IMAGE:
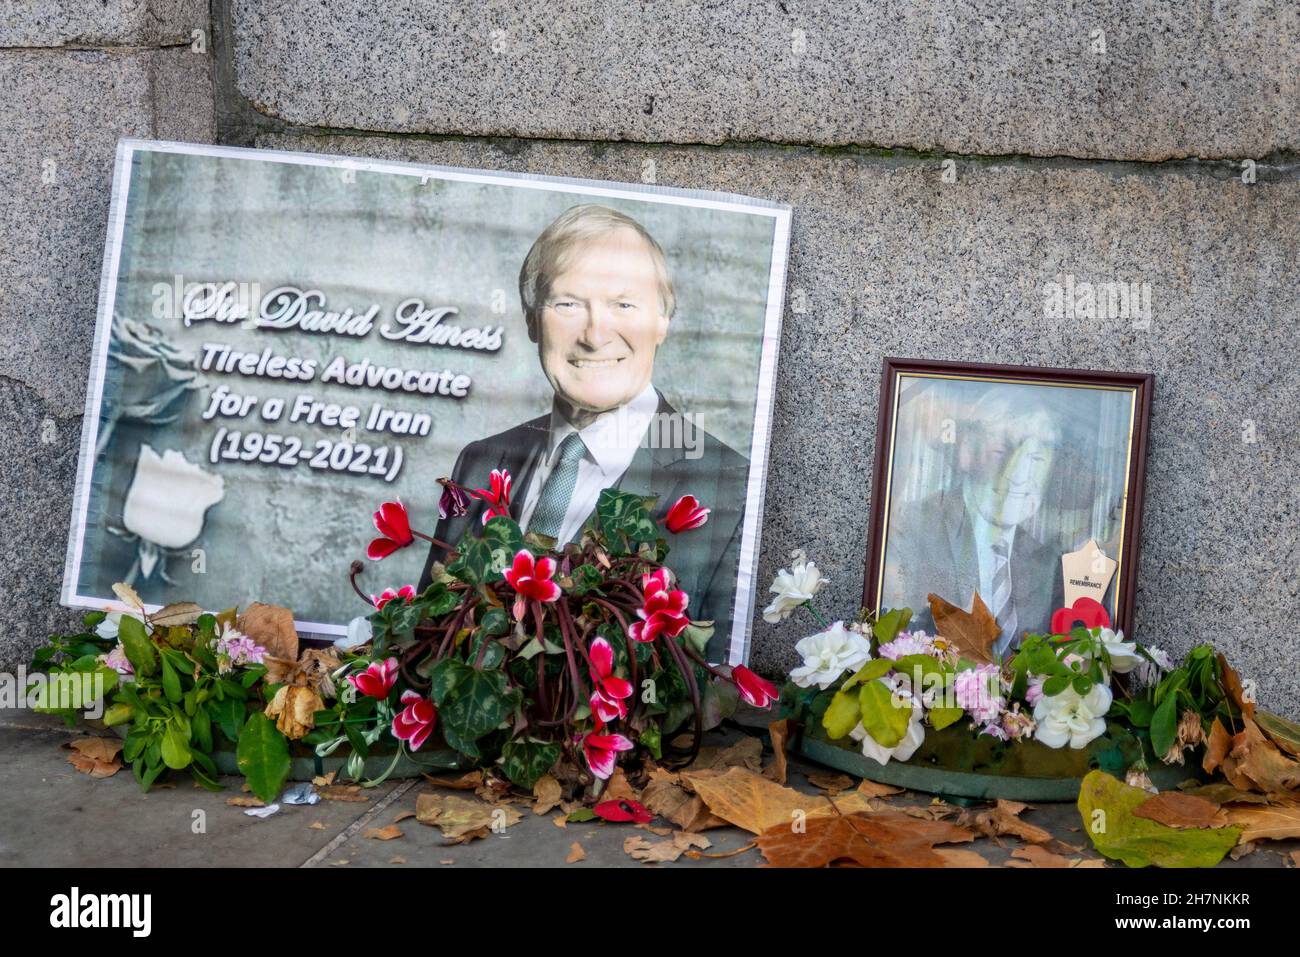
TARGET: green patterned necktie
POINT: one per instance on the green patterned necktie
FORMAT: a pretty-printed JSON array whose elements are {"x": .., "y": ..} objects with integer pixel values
[{"x": 548, "y": 517}]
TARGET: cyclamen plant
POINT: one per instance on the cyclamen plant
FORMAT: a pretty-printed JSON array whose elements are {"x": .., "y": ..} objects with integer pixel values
[{"x": 536, "y": 657}]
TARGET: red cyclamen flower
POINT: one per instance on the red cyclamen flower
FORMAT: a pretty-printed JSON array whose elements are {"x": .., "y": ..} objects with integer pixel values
[
  {"x": 685, "y": 515},
  {"x": 395, "y": 528},
  {"x": 601, "y": 752},
  {"x": 664, "y": 609},
  {"x": 406, "y": 593},
  {"x": 531, "y": 578},
  {"x": 415, "y": 722},
  {"x": 377, "y": 680},
  {"x": 497, "y": 497},
  {"x": 757, "y": 691},
  {"x": 607, "y": 701}
]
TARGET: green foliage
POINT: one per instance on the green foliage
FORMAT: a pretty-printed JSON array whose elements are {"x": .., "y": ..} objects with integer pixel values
[
  {"x": 524, "y": 761},
  {"x": 139, "y": 649},
  {"x": 1107, "y": 805},
  {"x": 482, "y": 558},
  {"x": 263, "y": 756},
  {"x": 471, "y": 702},
  {"x": 889, "y": 623},
  {"x": 624, "y": 520}
]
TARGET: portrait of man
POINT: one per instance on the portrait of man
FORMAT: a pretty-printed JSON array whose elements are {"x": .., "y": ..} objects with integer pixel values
[
  {"x": 990, "y": 484},
  {"x": 598, "y": 302}
]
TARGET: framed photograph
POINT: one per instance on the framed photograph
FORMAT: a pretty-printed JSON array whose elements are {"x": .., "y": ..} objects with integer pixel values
[
  {"x": 287, "y": 340},
  {"x": 987, "y": 475}
]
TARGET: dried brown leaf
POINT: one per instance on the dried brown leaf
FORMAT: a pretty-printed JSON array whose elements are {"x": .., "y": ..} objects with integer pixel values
[
  {"x": 972, "y": 632},
  {"x": 547, "y": 794},
  {"x": 756, "y": 804},
  {"x": 1178, "y": 809},
  {"x": 271, "y": 626},
  {"x": 1274, "y": 822},
  {"x": 462, "y": 819},
  {"x": 576, "y": 853},
  {"x": 881, "y": 839},
  {"x": 831, "y": 783},
  {"x": 660, "y": 852},
  {"x": 1004, "y": 818},
  {"x": 390, "y": 833},
  {"x": 779, "y": 731}
]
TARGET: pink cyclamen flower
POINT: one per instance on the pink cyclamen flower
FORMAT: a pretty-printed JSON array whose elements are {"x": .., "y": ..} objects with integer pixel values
[
  {"x": 757, "y": 691},
  {"x": 406, "y": 593},
  {"x": 601, "y": 752},
  {"x": 664, "y": 610},
  {"x": 531, "y": 578},
  {"x": 415, "y": 722},
  {"x": 607, "y": 701},
  {"x": 377, "y": 680},
  {"x": 497, "y": 496},
  {"x": 686, "y": 514},
  {"x": 394, "y": 527}
]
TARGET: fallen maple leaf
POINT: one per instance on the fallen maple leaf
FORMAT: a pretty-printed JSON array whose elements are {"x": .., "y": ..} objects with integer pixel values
[
  {"x": 1004, "y": 818},
  {"x": 660, "y": 852},
  {"x": 874, "y": 789},
  {"x": 98, "y": 757},
  {"x": 389, "y": 833},
  {"x": 576, "y": 853},
  {"x": 756, "y": 804},
  {"x": 880, "y": 839},
  {"x": 461, "y": 818},
  {"x": 1274, "y": 822},
  {"x": 1178, "y": 809},
  {"x": 972, "y": 633},
  {"x": 961, "y": 857},
  {"x": 779, "y": 732},
  {"x": 665, "y": 797},
  {"x": 832, "y": 783},
  {"x": 1220, "y": 792},
  {"x": 1037, "y": 856},
  {"x": 1255, "y": 761},
  {"x": 547, "y": 794}
]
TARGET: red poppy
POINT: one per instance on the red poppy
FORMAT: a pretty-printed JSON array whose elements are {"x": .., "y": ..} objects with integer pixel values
[
  {"x": 757, "y": 691},
  {"x": 686, "y": 514},
  {"x": 497, "y": 496},
  {"x": 394, "y": 526},
  {"x": 1086, "y": 611},
  {"x": 622, "y": 811},
  {"x": 406, "y": 593}
]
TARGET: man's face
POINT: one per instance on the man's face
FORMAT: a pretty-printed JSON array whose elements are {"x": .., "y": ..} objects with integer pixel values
[
  {"x": 1008, "y": 470},
  {"x": 601, "y": 323}
]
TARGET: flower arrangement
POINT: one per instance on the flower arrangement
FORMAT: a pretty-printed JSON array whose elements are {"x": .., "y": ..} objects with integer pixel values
[
  {"x": 519, "y": 656},
  {"x": 535, "y": 658},
  {"x": 876, "y": 686}
]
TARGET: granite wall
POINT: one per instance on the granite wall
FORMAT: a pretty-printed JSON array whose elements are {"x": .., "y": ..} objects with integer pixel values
[{"x": 946, "y": 161}]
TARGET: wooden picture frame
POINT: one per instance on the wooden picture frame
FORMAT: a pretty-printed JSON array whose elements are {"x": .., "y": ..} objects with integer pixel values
[{"x": 892, "y": 481}]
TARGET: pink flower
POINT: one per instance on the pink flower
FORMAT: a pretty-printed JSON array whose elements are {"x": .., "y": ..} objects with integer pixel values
[
  {"x": 415, "y": 722},
  {"x": 118, "y": 661},
  {"x": 979, "y": 692},
  {"x": 607, "y": 701},
  {"x": 240, "y": 649},
  {"x": 497, "y": 497},
  {"x": 531, "y": 578},
  {"x": 757, "y": 691},
  {"x": 406, "y": 593},
  {"x": 685, "y": 515},
  {"x": 622, "y": 811},
  {"x": 664, "y": 610},
  {"x": 601, "y": 751},
  {"x": 377, "y": 680},
  {"x": 394, "y": 528}
]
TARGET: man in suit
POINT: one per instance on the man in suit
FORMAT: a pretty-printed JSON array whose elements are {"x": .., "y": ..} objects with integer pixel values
[
  {"x": 977, "y": 534},
  {"x": 598, "y": 300}
]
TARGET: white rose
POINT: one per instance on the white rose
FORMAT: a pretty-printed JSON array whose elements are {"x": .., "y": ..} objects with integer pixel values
[
  {"x": 168, "y": 498},
  {"x": 914, "y": 738},
  {"x": 108, "y": 627},
  {"x": 828, "y": 654},
  {"x": 1071, "y": 718},
  {"x": 793, "y": 587},
  {"x": 1124, "y": 655}
]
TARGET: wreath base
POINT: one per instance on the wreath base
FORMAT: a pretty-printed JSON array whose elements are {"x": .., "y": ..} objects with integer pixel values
[{"x": 953, "y": 763}]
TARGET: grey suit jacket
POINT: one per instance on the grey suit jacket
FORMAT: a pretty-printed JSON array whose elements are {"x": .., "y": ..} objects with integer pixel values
[
  {"x": 703, "y": 559},
  {"x": 931, "y": 548}
]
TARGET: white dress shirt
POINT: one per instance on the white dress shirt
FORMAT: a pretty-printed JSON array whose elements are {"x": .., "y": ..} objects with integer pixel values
[
  {"x": 611, "y": 440},
  {"x": 986, "y": 535}
]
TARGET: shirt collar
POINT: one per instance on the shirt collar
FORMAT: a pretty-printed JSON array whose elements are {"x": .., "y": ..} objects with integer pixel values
[
  {"x": 613, "y": 437},
  {"x": 986, "y": 533}
]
